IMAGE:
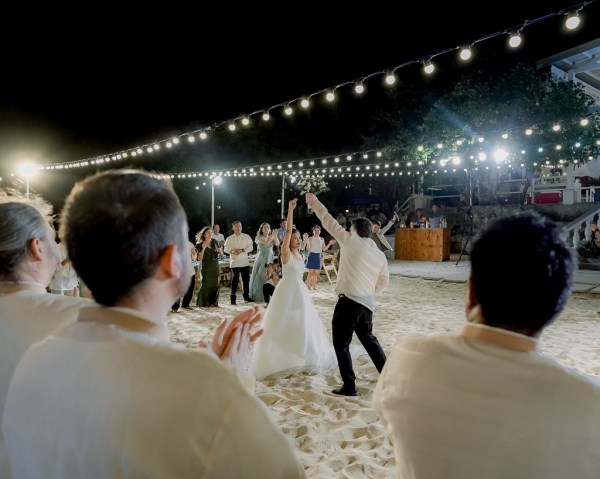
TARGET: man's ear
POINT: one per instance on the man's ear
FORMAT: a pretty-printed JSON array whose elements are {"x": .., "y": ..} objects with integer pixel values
[
  {"x": 170, "y": 262},
  {"x": 471, "y": 298}
]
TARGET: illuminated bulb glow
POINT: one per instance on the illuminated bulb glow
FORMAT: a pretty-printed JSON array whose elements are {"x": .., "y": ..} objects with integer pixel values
[
  {"x": 390, "y": 78},
  {"x": 359, "y": 88},
  {"x": 465, "y": 53},
  {"x": 428, "y": 68},
  {"x": 330, "y": 96},
  {"x": 515, "y": 40},
  {"x": 572, "y": 21}
]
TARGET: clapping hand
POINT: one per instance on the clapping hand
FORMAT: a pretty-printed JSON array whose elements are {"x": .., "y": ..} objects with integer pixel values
[{"x": 233, "y": 338}]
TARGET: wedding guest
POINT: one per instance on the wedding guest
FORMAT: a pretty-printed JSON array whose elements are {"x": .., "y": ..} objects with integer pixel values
[
  {"x": 294, "y": 336},
  {"x": 65, "y": 280},
  {"x": 487, "y": 402},
  {"x": 187, "y": 297},
  {"x": 363, "y": 272},
  {"x": 111, "y": 395},
  {"x": 271, "y": 279},
  {"x": 378, "y": 234},
  {"x": 265, "y": 240},
  {"x": 315, "y": 245},
  {"x": 281, "y": 230},
  {"x": 29, "y": 257},
  {"x": 218, "y": 236},
  {"x": 208, "y": 255},
  {"x": 417, "y": 219},
  {"x": 436, "y": 217},
  {"x": 237, "y": 246}
]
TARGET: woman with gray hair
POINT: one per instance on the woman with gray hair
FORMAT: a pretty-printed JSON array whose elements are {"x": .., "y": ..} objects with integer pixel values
[{"x": 29, "y": 257}]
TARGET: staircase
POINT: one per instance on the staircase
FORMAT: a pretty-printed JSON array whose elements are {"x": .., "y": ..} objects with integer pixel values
[{"x": 579, "y": 229}]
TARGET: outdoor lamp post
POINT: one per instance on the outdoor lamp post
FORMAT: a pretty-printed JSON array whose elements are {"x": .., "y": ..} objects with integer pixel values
[
  {"x": 216, "y": 180},
  {"x": 27, "y": 170}
]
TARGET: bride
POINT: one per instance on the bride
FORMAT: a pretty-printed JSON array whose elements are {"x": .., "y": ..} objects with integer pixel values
[{"x": 294, "y": 335}]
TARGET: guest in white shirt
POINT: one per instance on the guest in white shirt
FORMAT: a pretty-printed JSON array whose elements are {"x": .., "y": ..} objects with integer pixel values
[
  {"x": 237, "y": 246},
  {"x": 363, "y": 272},
  {"x": 111, "y": 396},
  {"x": 218, "y": 236},
  {"x": 29, "y": 257},
  {"x": 65, "y": 280},
  {"x": 488, "y": 403}
]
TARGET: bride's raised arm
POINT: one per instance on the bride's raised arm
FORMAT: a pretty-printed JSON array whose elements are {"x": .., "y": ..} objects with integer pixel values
[{"x": 285, "y": 247}]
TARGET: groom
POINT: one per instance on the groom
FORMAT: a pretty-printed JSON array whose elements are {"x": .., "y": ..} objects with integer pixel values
[{"x": 363, "y": 272}]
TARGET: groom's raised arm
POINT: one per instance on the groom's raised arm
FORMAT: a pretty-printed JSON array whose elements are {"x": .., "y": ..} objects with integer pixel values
[{"x": 329, "y": 222}]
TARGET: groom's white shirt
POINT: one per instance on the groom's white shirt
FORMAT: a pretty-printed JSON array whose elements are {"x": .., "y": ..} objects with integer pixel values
[{"x": 363, "y": 266}]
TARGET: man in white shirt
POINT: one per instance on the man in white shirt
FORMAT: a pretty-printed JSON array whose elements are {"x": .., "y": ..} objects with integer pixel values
[
  {"x": 237, "y": 246},
  {"x": 487, "y": 403},
  {"x": 111, "y": 396},
  {"x": 218, "y": 236},
  {"x": 363, "y": 272},
  {"x": 29, "y": 257}
]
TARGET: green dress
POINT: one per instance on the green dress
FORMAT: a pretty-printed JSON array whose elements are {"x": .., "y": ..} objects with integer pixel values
[{"x": 209, "y": 289}]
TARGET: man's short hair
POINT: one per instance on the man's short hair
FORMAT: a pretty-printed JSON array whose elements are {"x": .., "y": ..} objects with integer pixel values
[
  {"x": 363, "y": 227},
  {"x": 522, "y": 271},
  {"x": 116, "y": 225},
  {"x": 236, "y": 222},
  {"x": 378, "y": 223}
]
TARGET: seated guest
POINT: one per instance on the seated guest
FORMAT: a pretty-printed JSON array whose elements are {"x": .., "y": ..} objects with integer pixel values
[
  {"x": 111, "y": 396},
  {"x": 487, "y": 403},
  {"x": 29, "y": 258},
  {"x": 271, "y": 280},
  {"x": 436, "y": 216},
  {"x": 417, "y": 219}
]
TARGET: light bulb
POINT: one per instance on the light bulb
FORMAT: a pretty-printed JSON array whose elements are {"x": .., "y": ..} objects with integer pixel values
[
  {"x": 428, "y": 68},
  {"x": 390, "y": 78},
  {"x": 572, "y": 21},
  {"x": 514, "y": 40},
  {"x": 465, "y": 53},
  {"x": 359, "y": 88}
]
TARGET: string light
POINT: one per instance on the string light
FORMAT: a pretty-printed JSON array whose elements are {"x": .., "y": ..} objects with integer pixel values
[{"x": 572, "y": 22}]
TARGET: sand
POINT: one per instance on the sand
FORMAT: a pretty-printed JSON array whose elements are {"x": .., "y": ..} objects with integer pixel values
[{"x": 339, "y": 437}]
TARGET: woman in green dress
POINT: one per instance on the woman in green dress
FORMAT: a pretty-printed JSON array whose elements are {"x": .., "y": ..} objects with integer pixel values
[{"x": 208, "y": 255}]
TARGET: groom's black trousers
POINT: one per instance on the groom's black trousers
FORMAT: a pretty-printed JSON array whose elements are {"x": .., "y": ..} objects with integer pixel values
[{"x": 351, "y": 317}]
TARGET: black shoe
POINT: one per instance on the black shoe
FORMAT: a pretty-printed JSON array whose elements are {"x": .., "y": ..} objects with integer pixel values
[
  {"x": 343, "y": 391},
  {"x": 232, "y": 297},
  {"x": 249, "y": 300}
]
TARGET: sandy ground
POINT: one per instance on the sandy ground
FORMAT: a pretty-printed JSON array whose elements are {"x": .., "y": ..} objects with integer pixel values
[{"x": 339, "y": 437}]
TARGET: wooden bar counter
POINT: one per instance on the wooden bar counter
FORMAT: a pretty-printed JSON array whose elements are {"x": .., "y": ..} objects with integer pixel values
[{"x": 422, "y": 244}]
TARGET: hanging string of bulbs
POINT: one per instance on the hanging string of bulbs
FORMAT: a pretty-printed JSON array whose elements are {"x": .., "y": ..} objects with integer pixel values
[{"x": 572, "y": 21}]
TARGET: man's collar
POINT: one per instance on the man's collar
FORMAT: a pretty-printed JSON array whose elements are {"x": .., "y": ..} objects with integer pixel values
[
  {"x": 500, "y": 337},
  {"x": 126, "y": 319},
  {"x": 8, "y": 287}
]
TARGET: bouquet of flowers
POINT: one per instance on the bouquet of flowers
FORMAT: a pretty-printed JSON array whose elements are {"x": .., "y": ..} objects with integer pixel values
[{"x": 312, "y": 184}]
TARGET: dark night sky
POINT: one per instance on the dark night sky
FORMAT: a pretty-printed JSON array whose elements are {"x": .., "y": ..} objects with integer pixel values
[{"x": 111, "y": 80}]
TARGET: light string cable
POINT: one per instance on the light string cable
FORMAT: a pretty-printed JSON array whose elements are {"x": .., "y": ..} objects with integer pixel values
[{"x": 304, "y": 101}]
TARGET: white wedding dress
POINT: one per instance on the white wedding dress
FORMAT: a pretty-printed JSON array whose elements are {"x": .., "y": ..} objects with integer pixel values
[{"x": 294, "y": 338}]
